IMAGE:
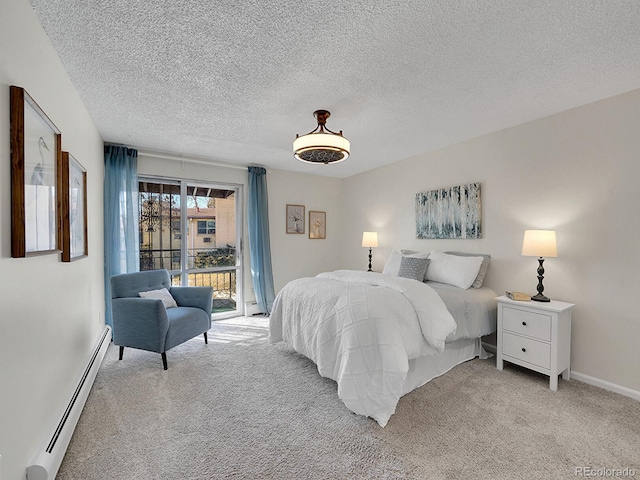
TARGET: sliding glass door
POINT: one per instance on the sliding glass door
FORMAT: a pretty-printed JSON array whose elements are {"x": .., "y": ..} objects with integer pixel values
[{"x": 194, "y": 231}]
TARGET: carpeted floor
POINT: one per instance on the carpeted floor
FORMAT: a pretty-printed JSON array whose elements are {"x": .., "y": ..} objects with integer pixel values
[{"x": 243, "y": 409}]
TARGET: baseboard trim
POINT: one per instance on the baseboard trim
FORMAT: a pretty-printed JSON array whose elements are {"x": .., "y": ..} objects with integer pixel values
[
  {"x": 46, "y": 460},
  {"x": 612, "y": 387},
  {"x": 490, "y": 348}
]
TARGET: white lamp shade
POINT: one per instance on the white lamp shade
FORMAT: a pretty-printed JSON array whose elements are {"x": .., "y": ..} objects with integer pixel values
[
  {"x": 370, "y": 239},
  {"x": 539, "y": 243}
]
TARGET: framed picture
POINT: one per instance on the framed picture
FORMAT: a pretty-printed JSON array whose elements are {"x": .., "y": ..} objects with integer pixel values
[
  {"x": 295, "y": 219},
  {"x": 74, "y": 209},
  {"x": 317, "y": 224},
  {"x": 36, "y": 156},
  {"x": 452, "y": 212}
]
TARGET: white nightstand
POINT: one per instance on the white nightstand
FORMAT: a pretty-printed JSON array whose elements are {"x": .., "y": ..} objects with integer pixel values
[{"x": 535, "y": 335}]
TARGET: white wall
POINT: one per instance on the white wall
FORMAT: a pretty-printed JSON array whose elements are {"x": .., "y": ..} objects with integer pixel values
[
  {"x": 51, "y": 313},
  {"x": 577, "y": 173},
  {"x": 296, "y": 255}
]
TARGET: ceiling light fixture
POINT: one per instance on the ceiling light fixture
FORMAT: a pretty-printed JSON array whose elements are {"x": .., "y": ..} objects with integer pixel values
[{"x": 321, "y": 145}]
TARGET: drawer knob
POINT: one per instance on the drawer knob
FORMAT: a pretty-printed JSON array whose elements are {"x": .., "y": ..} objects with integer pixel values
[
  {"x": 524, "y": 349},
  {"x": 524, "y": 323}
]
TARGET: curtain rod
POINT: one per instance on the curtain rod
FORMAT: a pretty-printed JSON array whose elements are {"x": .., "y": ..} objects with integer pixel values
[{"x": 181, "y": 158}]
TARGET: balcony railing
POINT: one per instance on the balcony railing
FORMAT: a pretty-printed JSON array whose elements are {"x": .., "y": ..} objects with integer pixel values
[
  {"x": 222, "y": 281},
  {"x": 155, "y": 259}
]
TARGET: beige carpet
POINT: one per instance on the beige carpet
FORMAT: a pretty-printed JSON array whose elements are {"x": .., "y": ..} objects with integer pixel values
[{"x": 243, "y": 409}]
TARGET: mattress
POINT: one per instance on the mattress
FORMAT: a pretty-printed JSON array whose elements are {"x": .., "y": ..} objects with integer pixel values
[{"x": 473, "y": 309}]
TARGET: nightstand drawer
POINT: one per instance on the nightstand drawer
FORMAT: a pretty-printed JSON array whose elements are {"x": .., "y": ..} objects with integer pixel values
[
  {"x": 532, "y": 324},
  {"x": 526, "y": 349}
]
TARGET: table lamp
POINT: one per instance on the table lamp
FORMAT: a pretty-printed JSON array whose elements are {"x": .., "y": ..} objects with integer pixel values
[
  {"x": 370, "y": 239},
  {"x": 540, "y": 243}
]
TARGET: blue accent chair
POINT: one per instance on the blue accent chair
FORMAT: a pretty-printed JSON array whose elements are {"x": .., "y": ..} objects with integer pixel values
[{"x": 146, "y": 324}]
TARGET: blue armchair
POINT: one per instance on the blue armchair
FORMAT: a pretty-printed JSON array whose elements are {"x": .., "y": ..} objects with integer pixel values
[{"x": 146, "y": 324}]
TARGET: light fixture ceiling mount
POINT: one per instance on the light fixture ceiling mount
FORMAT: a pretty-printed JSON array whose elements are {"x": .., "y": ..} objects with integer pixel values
[{"x": 321, "y": 145}]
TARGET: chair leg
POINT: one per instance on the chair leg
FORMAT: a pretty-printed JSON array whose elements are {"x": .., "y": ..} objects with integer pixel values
[
  {"x": 121, "y": 352},
  {"x": 205, "y": 338},
  {"x": 164, "y": 360}
]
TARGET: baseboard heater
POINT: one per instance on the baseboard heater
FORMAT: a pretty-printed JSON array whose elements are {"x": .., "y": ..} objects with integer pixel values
[
  {"x": 47, "y": 459},
  {"x": 251, "y": 308}
]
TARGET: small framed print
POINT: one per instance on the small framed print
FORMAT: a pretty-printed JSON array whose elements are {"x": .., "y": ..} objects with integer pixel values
[
  {"x": 74, "y": 209},
  {"x": 295, "y": 219},
  {"x": 36, "y": 156},
  {"x": 317, "y": 225}
]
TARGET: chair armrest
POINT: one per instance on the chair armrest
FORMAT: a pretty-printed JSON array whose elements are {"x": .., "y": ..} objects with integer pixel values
[
  {"x": 199, "y": 297},
  {"x": 140, "y": 323}
]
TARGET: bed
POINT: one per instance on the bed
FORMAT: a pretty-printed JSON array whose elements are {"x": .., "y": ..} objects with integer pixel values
[{"x": 380, "y": 336}]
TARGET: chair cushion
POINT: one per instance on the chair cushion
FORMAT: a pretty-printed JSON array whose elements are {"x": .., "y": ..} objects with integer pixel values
[{"x": 184, "y": 324}]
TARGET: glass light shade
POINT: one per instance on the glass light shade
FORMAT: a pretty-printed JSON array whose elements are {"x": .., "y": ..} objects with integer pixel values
[
  {"x": 321, "y": 148},
  {"x": 370, "y": 239},
  {"x": 539, "y": 243}
]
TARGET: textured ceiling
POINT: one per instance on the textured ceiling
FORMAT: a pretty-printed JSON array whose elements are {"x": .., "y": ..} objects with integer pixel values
[{"x": 235, "y": 80}]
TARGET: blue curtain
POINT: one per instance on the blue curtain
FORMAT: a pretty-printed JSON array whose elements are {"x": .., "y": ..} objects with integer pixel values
[
  {"x": 259, "y": 244},
  {"x": 121, "y": 247}
]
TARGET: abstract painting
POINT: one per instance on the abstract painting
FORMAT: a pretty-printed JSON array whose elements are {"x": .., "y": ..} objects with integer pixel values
[{"x": 452, "y": 212}]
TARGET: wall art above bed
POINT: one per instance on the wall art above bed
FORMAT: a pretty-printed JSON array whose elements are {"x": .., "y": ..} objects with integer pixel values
[{"x": 452, "y": 212}]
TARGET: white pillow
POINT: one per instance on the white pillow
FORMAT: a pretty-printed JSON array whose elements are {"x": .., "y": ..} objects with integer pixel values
[
  {"x": 162, "y": 294},
  {"x": 392, "y": 265},
  {"x": 483, "y": 268},
  {"x": 452, "y": 269}
]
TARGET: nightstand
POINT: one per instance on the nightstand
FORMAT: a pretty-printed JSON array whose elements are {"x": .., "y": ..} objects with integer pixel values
[{"x": 535, "y": 335}]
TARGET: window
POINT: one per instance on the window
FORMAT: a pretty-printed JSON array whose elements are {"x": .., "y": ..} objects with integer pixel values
[
  {"x": 206, "y": 227},
  {"x": 159, "y": 205},
  {"x": 179, "y": 223}
]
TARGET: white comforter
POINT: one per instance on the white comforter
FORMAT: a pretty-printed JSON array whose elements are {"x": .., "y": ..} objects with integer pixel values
[{"x": 361, "y": 329}]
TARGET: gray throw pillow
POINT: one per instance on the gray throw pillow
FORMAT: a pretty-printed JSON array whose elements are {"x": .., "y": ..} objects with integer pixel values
[{"x": 413, "y": 268}]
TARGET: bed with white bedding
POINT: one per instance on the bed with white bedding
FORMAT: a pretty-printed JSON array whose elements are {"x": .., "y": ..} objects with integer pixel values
[{"x": 380, "y": 336}]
